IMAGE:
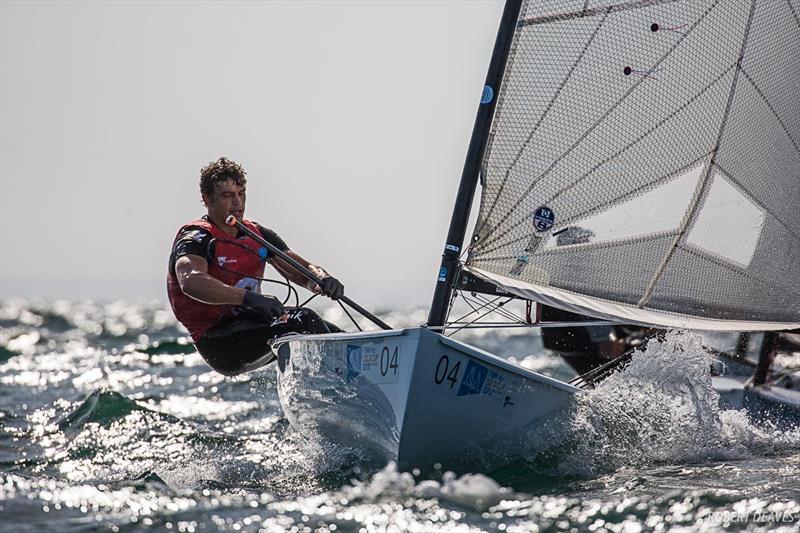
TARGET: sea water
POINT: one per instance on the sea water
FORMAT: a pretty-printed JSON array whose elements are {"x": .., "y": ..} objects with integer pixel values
[{"x": 110, "y": 421}]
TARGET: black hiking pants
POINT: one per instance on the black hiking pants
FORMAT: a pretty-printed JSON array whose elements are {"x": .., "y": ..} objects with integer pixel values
[{"x": 242, "y": 342}]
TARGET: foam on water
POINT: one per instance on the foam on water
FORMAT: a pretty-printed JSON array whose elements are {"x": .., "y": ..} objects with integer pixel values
[
  {"x": 108, "y": 420},
  {"x": 662, "y": 408}
]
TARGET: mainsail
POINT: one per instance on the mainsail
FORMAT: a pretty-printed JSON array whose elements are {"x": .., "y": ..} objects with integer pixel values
[{"x": 644, "y": 162}]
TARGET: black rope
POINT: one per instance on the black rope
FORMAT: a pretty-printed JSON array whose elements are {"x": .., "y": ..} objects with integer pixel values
[
  {"x": 308, "y": 300},
  {"x": 290, "y": 289},
  {"x": 474, "y": 309},
  {"x": 483, "y": 315},
  {"x": 349, "y": 315},
  {"x": 501, "y": 310},
  {"x": 590, "y": 378}
]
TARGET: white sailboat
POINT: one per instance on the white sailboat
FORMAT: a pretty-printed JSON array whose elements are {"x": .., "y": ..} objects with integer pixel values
[{"x": 639, "y": 161}]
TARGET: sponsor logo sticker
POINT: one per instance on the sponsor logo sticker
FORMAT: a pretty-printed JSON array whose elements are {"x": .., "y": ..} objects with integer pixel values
[
  {"x": 222, "y": 260},
  {"x": 487, "y": 95},
  {"x": 473, "y": 380}
]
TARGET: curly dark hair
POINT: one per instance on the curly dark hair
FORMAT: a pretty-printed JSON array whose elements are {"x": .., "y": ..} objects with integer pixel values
[{"x": 222, "y": 169}]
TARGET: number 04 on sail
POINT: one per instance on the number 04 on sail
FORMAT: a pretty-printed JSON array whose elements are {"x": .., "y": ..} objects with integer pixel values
[{"x": 638, "y": 161}]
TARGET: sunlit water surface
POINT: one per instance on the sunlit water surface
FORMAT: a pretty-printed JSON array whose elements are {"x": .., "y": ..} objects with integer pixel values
[{"x": 109, "y": 420}]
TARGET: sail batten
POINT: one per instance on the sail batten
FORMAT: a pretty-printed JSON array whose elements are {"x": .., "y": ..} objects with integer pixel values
[{"x": 645, "y": 155}]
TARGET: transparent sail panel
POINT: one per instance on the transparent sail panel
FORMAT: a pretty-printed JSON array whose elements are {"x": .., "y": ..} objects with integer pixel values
[{"x": 644, "y": 156}]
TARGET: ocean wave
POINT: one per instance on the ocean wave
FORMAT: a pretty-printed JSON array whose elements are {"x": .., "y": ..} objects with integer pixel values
[{"x": 102, "y": 407}]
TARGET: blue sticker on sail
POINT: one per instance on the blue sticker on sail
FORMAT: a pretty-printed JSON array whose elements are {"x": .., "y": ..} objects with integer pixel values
[
  {"x": 353, "y": 362},
  {"x": 262, "y": 253},
  {"x": 487, "y": 95},
  {"x": 443, "y": 273},
  {"x": 473, "y": 379},
  {"x": 543, "y": 219}
]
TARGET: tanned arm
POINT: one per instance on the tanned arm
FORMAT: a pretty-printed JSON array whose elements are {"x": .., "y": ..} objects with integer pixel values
[
  {"x": 195, "y": 282},
  {"x": 293, "y": 275}
]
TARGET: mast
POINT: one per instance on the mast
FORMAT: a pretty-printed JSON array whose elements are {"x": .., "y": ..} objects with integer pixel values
[{"x": 472, "y": 164}]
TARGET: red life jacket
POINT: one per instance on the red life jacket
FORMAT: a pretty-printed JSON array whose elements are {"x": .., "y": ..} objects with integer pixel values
[{"x": 234, "y": 254}]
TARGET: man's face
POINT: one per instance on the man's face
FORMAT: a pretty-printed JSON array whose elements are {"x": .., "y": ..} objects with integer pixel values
[{"x": 227, "y": 199}]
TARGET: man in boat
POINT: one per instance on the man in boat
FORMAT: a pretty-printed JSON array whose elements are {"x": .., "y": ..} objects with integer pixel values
[{"x": 215, "y": 275}]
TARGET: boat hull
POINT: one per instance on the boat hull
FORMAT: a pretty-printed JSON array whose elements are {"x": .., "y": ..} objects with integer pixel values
[{"x": 414, "y": 396}]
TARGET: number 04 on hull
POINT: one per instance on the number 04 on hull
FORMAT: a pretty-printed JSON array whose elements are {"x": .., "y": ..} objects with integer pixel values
[{"x": 412, "y": 395}]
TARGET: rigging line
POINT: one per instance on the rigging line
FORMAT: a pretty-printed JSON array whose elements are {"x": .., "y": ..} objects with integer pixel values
[
  {"x": 349, "y": 315},
  {"x": 469, "y": 303},
  {"x": 484, "y": 304},
  {"x": 487, "y": 325},
  {"x": 603, "y": 371},
  {"x": 296, "y": 295},
  {"x": 605, "y": 115},
  {"x": 542, "y": 117},
  {"x": 700, "y": 191},
  {"x": 286, "y": 283},
  {"x": 497, "y": 309},
  {"x": 771, "y": 108},
  {"x": 588, "y": 323},
  {"x": 308, "y": 300},
  {"x": 570, "y": 15},
  {"x": 459, "y": 267},
  {"x": 474, "y": 310},
  {"x": 462, "y": 327},
  {"x": 502, "y": 311}
]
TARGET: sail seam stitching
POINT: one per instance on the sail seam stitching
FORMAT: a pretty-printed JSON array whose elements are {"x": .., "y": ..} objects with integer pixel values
[
  {"x": 598, "y": 122},
  {"x": 542, "y": 117},
  {"x": 510, "y": 61},
  {"x": 643, "y": 136},
  {"x": 704, "y": 179},
  {"x": 585, "y": 12},
  {"x": 771, "y": 108},
  {"x": 616, "y": 243},
  {"x": 620, "y": 152},
  {"x": 720, "y": 262},
  {"x": 621, "y": 200}
]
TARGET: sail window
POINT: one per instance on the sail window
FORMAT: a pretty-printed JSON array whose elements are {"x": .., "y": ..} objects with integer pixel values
[
  {"x": 656, "y": 211},
  {"x": 729, "y": 224}
]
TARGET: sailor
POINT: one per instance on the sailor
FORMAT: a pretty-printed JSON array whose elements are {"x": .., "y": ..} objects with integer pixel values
[{"x": 215, "y": 275}]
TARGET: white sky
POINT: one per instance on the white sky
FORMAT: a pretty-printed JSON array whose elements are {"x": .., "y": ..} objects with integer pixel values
[{"x": 352, "y": 120}]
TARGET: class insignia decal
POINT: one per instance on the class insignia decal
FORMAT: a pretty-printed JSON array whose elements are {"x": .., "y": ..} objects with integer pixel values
[
  {"x": 473, "y": 379},
  {"x": 543, "y": 219},
  {"x": 353, "y": 362}
]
